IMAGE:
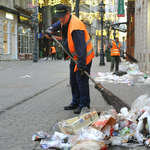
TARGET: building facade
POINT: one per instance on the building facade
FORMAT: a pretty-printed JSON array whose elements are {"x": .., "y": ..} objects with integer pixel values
[
  {"x": 16, "y": 32},
  {"x": 8, "y": 31},
  {"x": 130, "y": 29},
  {"x": 142, "y": 34}
]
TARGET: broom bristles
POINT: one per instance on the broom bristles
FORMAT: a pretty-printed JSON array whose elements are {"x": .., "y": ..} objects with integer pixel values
[
  {"x": 113, "y": 100},
  {"x": 131, "y": 58}
]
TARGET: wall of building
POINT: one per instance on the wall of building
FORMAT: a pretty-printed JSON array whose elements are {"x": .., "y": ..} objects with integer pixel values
[
  {"x": 8, "y": 3},
  {"x": 9, "y": 44},
  {"x": 148, "y": 38},
  {"x": 142, "y": 33},
  {"x": 1, "y": 35},
  {"x": 8, "y": 36},
  {"x": 130, "y": 29}
]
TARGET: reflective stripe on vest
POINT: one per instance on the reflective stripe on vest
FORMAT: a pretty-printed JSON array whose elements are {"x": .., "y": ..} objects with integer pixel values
[
  {"x": 88, "y": 42},
  {"x": 115, "y": 50},
  {"x": 87, "y": 53}
]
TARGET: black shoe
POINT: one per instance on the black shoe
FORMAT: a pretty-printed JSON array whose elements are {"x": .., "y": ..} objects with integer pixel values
[
  {"x": 78, "y": 110},
  {"x": 71, "y": 107}
]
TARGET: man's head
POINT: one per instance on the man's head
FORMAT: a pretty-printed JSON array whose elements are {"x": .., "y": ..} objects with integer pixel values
[
  {"x": 62, "y": 13},
  {"x": 116, "y": 39}
]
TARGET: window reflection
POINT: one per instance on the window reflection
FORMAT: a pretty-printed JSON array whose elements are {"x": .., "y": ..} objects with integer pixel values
[{"x": 5, "y": 37}]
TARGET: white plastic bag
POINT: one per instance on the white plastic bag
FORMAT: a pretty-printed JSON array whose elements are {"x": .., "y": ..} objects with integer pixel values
[
  {"x": 91, "y": 133},
  {"x": 139, "y": 137},
  {"x": 140, "y": 102},
  {"x": 59, "y": 136},
  {"x": 116, "y": 140}
]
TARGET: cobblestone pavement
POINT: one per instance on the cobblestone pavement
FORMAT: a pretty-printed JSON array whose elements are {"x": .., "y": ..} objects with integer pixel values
[{"x": 32, "y": 97}]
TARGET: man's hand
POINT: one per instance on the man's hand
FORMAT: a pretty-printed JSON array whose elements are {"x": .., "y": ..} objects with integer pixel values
[
  {"x": 112, "y": 27},
  {"x": 50, "y": 31},
  {"x": 108, "y": 46}
]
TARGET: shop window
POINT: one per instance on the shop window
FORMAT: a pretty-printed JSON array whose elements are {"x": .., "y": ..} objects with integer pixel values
[
  {"x": 28, "y": 41},
  {"x": 5, "y": 37},
  {"x": 13, "y": 28},
  {"x": 21, "y": 38},
  {"x": 25, "y": 40}
]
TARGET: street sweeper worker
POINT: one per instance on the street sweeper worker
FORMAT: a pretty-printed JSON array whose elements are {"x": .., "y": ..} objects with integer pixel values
[
  {"x": 79, "y": 46},
  {"x": 53, "y": 52},
  {"x": 115, "y": 54}
]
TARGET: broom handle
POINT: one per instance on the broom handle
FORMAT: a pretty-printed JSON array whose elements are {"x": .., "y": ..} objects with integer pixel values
[{"x": 75, "y": 61}]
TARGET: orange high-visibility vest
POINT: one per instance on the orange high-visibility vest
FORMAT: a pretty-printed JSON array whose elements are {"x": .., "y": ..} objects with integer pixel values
[
  {"x": 115, "y": 51},
  {"x": 76, "y": 24},
  {"x": 53, "y": 49}
]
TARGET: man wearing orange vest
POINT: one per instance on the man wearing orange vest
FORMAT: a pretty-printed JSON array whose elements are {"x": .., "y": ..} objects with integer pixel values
[
  {"x": 53, "y": 52},
  {"x": 79, "y": 46},
  {"x": 115, "y": 54}
]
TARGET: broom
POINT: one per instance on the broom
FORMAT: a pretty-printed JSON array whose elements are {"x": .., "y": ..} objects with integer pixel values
[
  {"x": 110, "y": 98},
  {"x": 131, "y": 58}
]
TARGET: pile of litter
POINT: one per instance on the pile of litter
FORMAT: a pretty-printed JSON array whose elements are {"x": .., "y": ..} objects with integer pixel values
[
  {"x": 94, "y": 131},
  {"x": 126, "y": 74}
]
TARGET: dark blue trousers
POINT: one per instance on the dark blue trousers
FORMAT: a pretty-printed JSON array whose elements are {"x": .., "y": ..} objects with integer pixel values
[{"x": 80, "y": 86}]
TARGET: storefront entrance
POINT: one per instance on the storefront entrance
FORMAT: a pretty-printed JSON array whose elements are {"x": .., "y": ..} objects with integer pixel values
[
  {"x": 9, "y": 39},
  {"x": 25, "y": 43}
]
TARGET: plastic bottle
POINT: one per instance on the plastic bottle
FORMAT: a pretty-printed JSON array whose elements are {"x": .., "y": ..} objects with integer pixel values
[
  {"x": 145, "y": 76},
  {"x": 148, "y": 120},
  {"x": 145, "y": 127}
]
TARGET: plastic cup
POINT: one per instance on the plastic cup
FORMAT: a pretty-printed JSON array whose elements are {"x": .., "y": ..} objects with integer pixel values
[
  {"x": 124, "y": 111},
  {"x": 128, "y": 123}
]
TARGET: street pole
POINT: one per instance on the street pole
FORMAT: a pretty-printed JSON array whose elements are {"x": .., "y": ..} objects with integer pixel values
[
  {"x": 108, "y": 37},
  {"x": 35, "y": 59},
  {"x": 102, "y": 63},
  {"x": 96, "y": 46},
  {"x": 77, "y": 8},
  {"x": 114, "y": 33},
  {"x": 123, "y": 42},
  {"x": 102, "y": 12},
  {"x": 107, "y": 27}
]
